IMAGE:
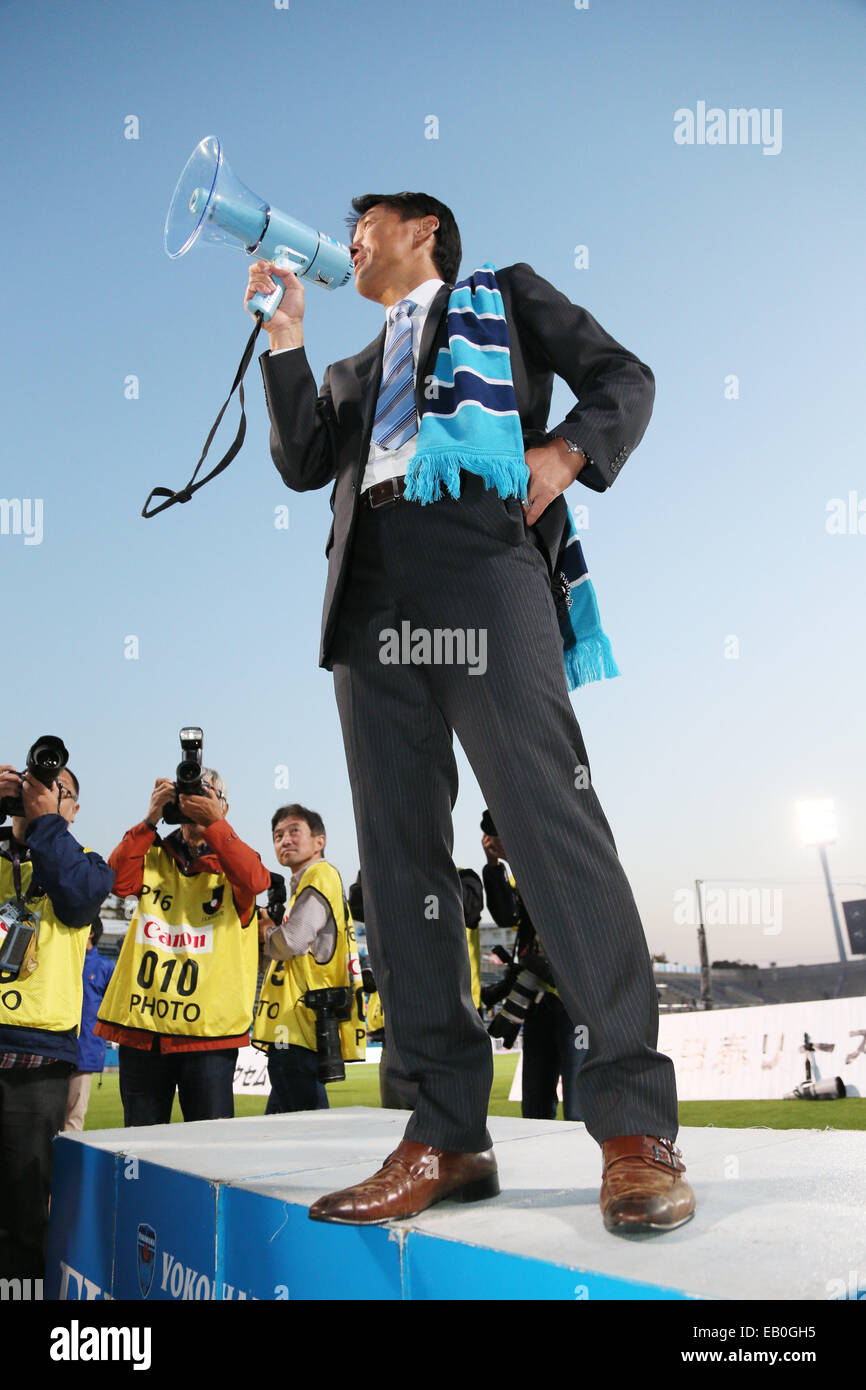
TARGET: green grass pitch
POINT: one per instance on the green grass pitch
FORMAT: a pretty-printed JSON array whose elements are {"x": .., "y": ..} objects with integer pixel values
[{"x": 361, "y": 1087}]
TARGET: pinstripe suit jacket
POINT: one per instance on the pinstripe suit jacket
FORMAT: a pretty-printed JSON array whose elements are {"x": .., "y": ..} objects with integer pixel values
[{"x": 321, "y": 437}]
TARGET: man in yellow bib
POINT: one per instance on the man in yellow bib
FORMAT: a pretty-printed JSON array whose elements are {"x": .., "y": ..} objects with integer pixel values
[
  {"x": 48, "y": 882},
  {"x": 313, "y": 948},
  {"x": 183, "y": 990}
]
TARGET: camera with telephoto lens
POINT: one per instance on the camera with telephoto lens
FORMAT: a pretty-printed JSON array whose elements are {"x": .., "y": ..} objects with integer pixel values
[
  {"x": 522, "y": 987},
  {"x": 331, "y": 1008},
  {"x": 495, "y": 993},
  {"x": 276, "y": 908},
  {"x": 524, "y": 983},
  {"x": 46, "y": 759},
  {"x": 526, "y": 990},
  {"x": 187, "y": 776},
  {"x": 831, "y": 1089},
  {"x": 818, "y": 1090}
]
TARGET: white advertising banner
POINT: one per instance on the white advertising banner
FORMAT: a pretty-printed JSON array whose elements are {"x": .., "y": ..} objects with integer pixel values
[
  {"x": 251, "y": 1073},
  {"x": 756, "y": 1053}
]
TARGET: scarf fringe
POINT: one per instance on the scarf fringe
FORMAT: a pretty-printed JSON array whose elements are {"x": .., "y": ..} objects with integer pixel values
[
  {"x": 429, "y": 473},
  {"x": 589, "y": 659}
]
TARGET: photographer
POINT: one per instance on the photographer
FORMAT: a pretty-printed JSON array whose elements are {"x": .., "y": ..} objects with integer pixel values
[
  {"x": 312, "y": 947},
  {"x": 49, "y": 881},
  {"x": 183, "y": 990},
  {"x": 548, "y": 1036}
]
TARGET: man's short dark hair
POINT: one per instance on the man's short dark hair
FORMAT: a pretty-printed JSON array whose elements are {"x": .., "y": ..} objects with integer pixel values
[
  {"x": 75, "y": 784},
  {"x": 313, "y": 819},
  {"x": 447, "y": 251},
  {"x": 96, "y": 930}
]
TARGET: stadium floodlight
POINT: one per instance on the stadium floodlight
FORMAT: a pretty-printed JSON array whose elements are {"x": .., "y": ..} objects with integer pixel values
[
  {"x": 818, "y": 828},
  {"x": 817, "y": 822}
]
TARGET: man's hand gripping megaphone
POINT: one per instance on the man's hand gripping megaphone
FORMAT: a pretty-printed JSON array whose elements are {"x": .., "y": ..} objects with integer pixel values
[{"x": 285, "y": 328}]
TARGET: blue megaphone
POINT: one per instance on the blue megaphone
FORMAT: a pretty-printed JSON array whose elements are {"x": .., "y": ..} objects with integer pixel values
[{"x": 211, "y": 204}]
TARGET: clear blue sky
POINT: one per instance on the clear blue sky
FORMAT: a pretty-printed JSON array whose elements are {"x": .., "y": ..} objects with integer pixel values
[{"x": 556, "y": 129}]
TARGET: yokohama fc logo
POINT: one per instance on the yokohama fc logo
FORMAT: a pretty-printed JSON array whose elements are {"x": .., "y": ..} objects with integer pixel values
[{"x": 146, "y": 1245}]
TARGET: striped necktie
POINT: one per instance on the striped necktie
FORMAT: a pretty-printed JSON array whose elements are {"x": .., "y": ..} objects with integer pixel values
[{"x": 395, "y": 420}]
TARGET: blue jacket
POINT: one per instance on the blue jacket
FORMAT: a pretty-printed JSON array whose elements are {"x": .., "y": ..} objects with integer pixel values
[{"x": 97, "y": 972}]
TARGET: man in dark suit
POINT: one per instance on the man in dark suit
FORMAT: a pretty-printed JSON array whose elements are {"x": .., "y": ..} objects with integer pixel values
[{"x": 480, "y": 567}]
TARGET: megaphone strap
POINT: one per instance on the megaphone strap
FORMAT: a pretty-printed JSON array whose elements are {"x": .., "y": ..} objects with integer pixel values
[{"x": 185, "y": 493}]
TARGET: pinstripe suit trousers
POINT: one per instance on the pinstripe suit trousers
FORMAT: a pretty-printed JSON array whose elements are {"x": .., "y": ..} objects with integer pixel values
[{"x": 470, "y": 566}]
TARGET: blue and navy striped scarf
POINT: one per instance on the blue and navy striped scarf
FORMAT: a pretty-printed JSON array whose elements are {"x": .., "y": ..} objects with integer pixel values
[{"x": 472, "y": 422}]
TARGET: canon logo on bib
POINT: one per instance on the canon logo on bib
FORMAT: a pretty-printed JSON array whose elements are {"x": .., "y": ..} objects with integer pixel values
[{"x": 192, "y": 941}]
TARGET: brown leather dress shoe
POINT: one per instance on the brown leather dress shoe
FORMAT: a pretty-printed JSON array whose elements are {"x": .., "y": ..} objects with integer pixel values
[
  {"x": 642, "y": 1185},
  {"x": 411, "y": 1179}
]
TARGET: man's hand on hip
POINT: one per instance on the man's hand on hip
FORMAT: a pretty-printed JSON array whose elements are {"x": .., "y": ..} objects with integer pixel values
[{"x": 552, "y": 469}]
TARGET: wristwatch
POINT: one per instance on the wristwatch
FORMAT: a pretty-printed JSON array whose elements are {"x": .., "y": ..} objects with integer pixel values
[
  {"x": 572, "y": 448},
  {"x": 536, "y": 439}
]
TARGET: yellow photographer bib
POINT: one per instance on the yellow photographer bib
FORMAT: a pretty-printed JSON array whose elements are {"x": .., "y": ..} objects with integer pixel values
[
  {"x": 49, "y": 997},
  {"x": 280, "y": 1015},
  {"x": 186, "y": 966},
  {"x": 376, "y": 1013}
]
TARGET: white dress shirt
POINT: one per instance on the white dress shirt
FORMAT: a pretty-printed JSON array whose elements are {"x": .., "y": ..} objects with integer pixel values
[
  {"x": 308, "y": 926},
  {"x": 393, "y": 463}
]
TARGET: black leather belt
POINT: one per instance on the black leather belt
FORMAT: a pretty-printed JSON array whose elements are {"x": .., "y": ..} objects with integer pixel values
[{"x": 380, "y": 494}]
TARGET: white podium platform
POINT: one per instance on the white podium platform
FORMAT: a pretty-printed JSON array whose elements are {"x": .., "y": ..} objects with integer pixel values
[{"x": 218, "y": 1209}]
